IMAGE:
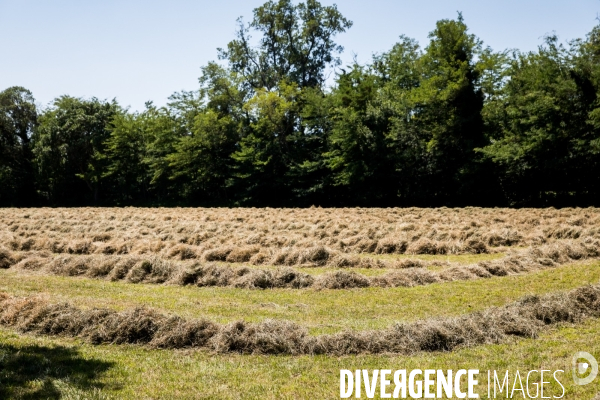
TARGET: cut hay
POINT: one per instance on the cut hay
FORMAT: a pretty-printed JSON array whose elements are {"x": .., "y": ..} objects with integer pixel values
[
  {"x": 291, "y": 237},
  {"x": 403, "y": 273},
  {"x": 525, "y": 318}
]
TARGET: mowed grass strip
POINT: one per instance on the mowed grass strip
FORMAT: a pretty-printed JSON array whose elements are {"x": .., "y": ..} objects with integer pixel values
[
  {"x": 73, "y": 369},
  {"x": 325, "y": 311}
]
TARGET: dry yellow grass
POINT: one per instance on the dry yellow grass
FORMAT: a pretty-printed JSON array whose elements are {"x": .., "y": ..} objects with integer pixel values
[
  {"x": 402, "y": 273},
  {"x": 312, "y": 236},
  {"x": 234, "y": 250}
]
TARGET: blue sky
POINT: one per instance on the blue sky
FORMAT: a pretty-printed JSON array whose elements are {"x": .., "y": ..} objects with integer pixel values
[{"x": 136, "y": 50}]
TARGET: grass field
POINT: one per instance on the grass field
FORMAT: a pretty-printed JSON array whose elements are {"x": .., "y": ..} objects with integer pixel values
[
  {"x": 324, "y": 311},
  {"x": 480, "y": 259},
  {"x": 73, "y": 369}
]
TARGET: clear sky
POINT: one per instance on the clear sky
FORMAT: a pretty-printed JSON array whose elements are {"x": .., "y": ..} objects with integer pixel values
[{"x": 140, "y": 50}]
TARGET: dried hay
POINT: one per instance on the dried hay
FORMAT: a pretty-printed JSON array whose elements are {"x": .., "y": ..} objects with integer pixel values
[{"x": 524, "y": 318}]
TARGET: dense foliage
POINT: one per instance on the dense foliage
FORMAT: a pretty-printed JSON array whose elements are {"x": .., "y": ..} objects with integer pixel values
[{"x": 453, "y": 123}]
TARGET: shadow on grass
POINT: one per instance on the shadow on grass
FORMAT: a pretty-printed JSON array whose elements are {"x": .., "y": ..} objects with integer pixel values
[{"x": 39, "y": 372}]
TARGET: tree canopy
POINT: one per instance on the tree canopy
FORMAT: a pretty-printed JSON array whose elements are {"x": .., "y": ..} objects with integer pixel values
[{"x": 278, "y": 121}]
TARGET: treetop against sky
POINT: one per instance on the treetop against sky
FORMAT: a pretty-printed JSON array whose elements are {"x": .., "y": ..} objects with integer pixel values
[{"x": 145, "y": 50}]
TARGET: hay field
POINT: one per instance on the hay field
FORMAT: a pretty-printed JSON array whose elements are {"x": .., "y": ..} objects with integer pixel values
[{"x": 160, "y": 303}]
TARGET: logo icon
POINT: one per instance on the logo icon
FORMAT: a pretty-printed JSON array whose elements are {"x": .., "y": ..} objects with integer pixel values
[{"x": 585, "y": 368}]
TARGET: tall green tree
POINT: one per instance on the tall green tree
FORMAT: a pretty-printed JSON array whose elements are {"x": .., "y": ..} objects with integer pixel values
[
  {"x": 69, "y": 149},
  {"x": 296, "y": 44},
  {"x": 18, "y": 119},
  {"x": 201, "y": 162},
  {"x": 547, "y": 149},
  {"x": 138, "y": 150},
  {"x": 266, "y": 150},
  {"x": 400, "y": 72},
  {"x": 357, "y": 156},
  {"x": 448, "y": 112},
  {"x": 406, "y": 127},
  {"x": 126, "y": 172},
  {"x": 286, "y": 70}
]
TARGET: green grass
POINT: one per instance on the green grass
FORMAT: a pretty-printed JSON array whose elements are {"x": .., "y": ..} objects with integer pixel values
[
  {"x": 323, "y": 311},
  {"x": 52, "y": 367},
  {"x": 37, "y": 367}
]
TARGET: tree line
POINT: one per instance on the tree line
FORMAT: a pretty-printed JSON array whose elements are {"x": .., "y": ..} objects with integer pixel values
[{"x": 278, "y": 121}]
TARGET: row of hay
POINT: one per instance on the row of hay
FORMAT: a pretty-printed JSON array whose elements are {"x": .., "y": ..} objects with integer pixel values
[
  {"x": 317, "y": 256},
  {"x": 308, "y": 253},
  {"x": 524, "y": 318},
  {"x": 155, "y": 270},
  {"x": 135, "y": 269},
  {"x": 288, "y": 236}
]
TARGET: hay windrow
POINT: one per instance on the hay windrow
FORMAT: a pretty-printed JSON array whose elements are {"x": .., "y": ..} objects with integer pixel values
[
  {"x": 290, "y": 237},
  {"x": 408, "y": 273},
  {"x": 525, "y": 318}
]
